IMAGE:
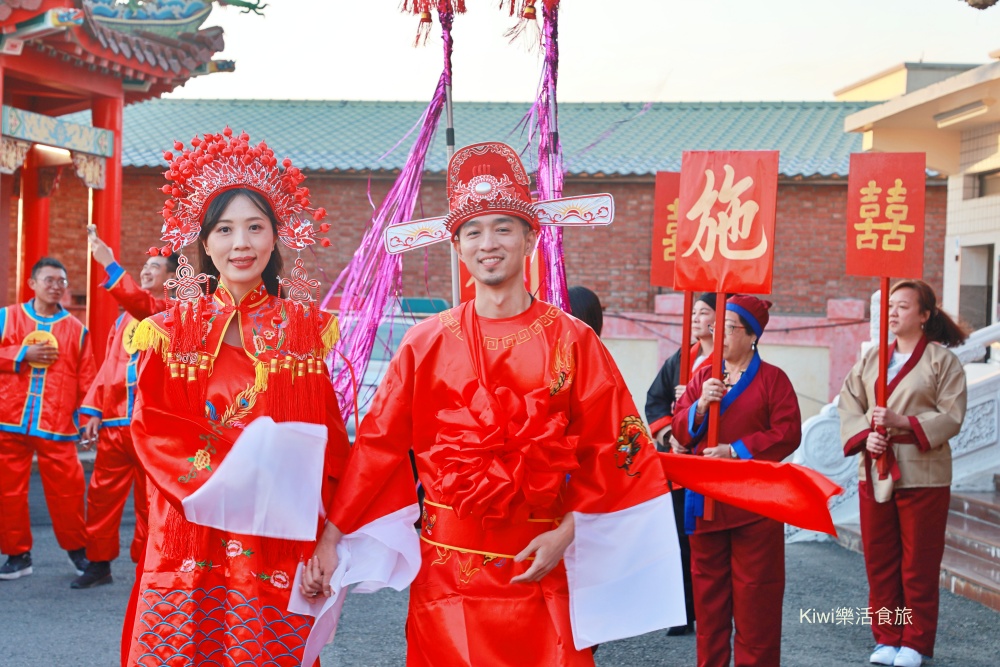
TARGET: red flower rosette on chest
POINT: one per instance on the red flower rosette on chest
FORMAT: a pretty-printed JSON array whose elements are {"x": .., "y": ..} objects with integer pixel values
[{"x": 501, "y": 455}]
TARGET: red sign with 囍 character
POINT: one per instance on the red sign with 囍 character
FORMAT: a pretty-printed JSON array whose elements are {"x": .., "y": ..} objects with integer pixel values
[
  {"x": 665, "y": 198},
  {"x": 885, "y": 214},
  {"x": 725, "y": 234}
]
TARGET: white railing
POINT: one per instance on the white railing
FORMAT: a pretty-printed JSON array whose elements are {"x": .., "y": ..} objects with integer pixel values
[
  {"x": 975, "y": 450},
  {"x": 975, "y": 348}
]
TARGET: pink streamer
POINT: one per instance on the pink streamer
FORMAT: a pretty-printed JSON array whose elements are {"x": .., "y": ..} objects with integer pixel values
[
  {"x": 550, "y": 167},
  {"x": 373, "y": 277}
]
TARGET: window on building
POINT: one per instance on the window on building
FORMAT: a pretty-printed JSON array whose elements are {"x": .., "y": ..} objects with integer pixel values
[{"x": 989, "y": 183}]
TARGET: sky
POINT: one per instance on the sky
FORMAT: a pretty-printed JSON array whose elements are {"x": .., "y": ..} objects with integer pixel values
[{"x": 610, "y": 50}]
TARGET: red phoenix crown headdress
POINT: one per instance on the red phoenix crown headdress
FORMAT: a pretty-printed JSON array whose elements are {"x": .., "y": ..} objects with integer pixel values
[
  {"x": 488, "y": 178},
  {"x": 219, "y": 162}
]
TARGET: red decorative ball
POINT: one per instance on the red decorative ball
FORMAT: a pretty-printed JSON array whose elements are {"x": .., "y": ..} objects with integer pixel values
[
  {"x": 324, "y": 227},
  {"x": 153, "y": 251},
  {"x": 286, "y": 163},
  {"x": 168, "y": 156},
  {"x": 178, "y": 146},
  {"x": 324, "y": 242},
  {"x": 319, "y": 214},
  {"x": 166, "y": 189},
  {"x": 228, "y": 131},
  {"x": 165, "y": 251}
]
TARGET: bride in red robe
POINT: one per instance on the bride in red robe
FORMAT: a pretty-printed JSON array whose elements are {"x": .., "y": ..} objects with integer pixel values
[{"x": 236, "y": 422}]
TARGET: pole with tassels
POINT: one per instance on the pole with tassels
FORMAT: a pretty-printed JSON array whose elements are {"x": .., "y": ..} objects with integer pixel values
[
  {"x": 449, "y": 112},
  {"x": 550, "y": 168}
]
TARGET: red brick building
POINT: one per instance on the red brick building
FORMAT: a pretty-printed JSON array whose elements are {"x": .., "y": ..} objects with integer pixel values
[
  {"x": 339, "y": 143},
  {"x": 613, "y": 261}
]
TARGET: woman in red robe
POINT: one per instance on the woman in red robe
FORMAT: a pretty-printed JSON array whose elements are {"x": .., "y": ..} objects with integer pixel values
[
  {"x": 905, "y": 473},
  {"x": 737, "y": 556},
  {"x": 236, "y": 423}
]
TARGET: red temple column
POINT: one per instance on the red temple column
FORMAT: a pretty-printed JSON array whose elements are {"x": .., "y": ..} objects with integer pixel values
[
  {"x": 102, "y": 310},
  {"x": 34, "y": 228}
]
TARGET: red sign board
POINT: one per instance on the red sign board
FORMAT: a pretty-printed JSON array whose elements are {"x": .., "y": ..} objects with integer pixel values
[
  {"x": 725, "y": 234},
  {"x": 665, "y": 199},
  {"x": 885, "y": 214}
]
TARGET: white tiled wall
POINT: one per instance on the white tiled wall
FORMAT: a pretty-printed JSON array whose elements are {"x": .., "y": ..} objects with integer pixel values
[{"x": 971, "y": 220}]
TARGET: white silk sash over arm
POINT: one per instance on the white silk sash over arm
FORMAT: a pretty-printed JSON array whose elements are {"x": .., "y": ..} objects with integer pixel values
[
  {"x": 270, "y": 483},
  {"x": 624, "y": 573},
  {"x": 383, "y": 553}
]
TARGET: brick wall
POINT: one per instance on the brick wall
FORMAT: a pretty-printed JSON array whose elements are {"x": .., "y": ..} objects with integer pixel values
[{"x": 614, "y": 261}]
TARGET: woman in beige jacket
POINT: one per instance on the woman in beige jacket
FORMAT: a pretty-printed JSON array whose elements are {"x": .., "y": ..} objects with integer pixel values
[{"x": 905, "y": 472}]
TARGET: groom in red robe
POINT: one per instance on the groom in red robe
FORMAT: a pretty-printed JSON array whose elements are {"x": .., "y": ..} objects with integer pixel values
[{"x": 532, "y": 455}]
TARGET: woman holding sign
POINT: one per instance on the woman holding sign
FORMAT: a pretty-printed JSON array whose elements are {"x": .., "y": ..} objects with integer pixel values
[
  {"x": 236, "y": 423},
  {"x": 737, "y": 556},
  {"x": 905, "y": 473}
]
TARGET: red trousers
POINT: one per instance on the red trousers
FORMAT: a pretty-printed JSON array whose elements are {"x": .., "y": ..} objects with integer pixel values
[
  {"x": 903, "y": 541},
  {"x": 62, "y": 480},
  {"x": 739, "y": 576},
  {"x": 115, "y": 468}
]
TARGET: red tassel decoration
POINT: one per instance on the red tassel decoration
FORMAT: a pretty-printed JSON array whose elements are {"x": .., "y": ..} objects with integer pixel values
[
  {"x": 421, "y": 6},
  {"x": 181, "y": 538},
  {"x": 528, "y": 23},
  {"x": 424, "y": 9},
  {"x": 423, "y": 29},
  {"x": 301, "y": 331},
  {"x": 296, "y": 381}
]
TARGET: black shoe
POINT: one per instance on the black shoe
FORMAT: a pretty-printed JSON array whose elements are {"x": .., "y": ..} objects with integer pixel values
[
  {"x": 16, "y": 566},
  {"x": 679, "y": 630},
  {"x": 78, "y": 559},
  {"x": 98, "y": 573}
]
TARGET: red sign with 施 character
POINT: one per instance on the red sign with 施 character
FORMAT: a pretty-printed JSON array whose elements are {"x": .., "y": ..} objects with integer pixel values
[
  {"x": 725, "y": 234},
  {"x": 665, "y": 201},
  {"x": 885, "y": 214}
]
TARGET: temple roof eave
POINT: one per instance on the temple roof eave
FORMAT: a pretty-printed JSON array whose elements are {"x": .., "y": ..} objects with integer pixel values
[{"x": 153, "y": 63}]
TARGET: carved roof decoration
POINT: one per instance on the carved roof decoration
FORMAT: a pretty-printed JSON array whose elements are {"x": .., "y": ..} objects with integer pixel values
[{"x": 149, "y": 63}]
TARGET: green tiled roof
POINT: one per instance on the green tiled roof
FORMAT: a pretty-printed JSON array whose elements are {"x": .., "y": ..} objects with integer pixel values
[{"x": 635, "y": 139}]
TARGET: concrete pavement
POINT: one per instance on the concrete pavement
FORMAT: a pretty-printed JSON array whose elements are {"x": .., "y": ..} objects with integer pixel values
[{"x": 44, "y": 624}]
